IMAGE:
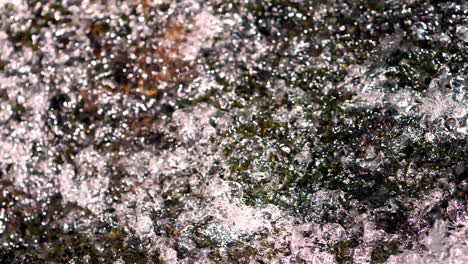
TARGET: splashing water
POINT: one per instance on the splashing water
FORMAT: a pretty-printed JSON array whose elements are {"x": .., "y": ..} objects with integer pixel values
[{"x": 251, "y": 131}]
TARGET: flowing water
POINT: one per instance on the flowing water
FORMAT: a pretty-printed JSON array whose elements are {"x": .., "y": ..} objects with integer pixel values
[{"x": 233, "y": 131}]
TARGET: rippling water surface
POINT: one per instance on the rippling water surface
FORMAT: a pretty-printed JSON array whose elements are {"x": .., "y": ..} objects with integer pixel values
[{"x": 233, "y": 131}]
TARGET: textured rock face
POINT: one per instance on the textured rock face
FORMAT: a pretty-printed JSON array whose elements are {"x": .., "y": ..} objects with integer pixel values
[{"x": 275, "y": 131}]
